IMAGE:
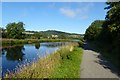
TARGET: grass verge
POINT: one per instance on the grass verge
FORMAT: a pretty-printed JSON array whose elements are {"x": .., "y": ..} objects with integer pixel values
[
  {"x": 65, "y": 63},
  {"x": 69, "y": 66},
  {"x": 13, "y": 42}
]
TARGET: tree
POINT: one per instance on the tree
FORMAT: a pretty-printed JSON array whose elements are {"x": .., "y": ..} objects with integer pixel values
[
  {"x": 37, "y": 45},
  {"x": 111, "y": 27},
  {"x": 15, "y": 30},
  {"x": 110, "y": 33},
  {"x": 93, "y": 30},
  {"x": 37, "y": 35},
  {"x": 2, "y": 32},
  {"x": 112, "y": 23},
  {"x": 63, "y": 36},
  {"x": 15, "y": 53}
]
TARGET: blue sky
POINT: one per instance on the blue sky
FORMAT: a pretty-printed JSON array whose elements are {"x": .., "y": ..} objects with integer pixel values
[
  {"x": 0, "y": 13},
  {"x": 73, "y": 17}
]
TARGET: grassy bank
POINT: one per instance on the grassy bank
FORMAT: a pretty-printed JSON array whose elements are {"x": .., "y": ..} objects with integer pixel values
[
  {"x": 11, "y": 42},
  {"x": 70, "y": 66},
  {"x": 65, "y": 63}
]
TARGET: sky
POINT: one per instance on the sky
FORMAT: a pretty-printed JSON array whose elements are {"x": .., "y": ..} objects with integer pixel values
[
  {"x": 72, "y": 17},
  {"x": 0, "y": 14}
]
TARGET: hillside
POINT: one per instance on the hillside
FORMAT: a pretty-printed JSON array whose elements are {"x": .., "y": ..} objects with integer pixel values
[
  {"x": 50, "y": 34},
  {"x": 56, "y": 34}
]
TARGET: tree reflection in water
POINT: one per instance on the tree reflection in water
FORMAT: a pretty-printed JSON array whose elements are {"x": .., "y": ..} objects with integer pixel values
[
  {"x": 14, "y": 53},
  {"x": 37, "y": 45}
]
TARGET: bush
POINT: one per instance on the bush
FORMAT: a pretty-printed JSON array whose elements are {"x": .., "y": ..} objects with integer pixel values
[{"x": 80, "y": 43}]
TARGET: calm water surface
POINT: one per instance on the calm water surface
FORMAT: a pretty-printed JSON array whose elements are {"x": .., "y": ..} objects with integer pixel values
[{"x": 14, "y": 56}]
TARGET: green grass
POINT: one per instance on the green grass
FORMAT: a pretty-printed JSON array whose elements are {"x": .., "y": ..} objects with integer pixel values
[
  {"x": 14, "y": 42},
  {"x": 69, "y": 67},
  {"x": 65, "y": 63}
]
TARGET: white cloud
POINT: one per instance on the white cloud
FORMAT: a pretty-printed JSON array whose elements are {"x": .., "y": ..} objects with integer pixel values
[
  {"x": 68, "y": 12},
  {"x": 81, "y": 11}
]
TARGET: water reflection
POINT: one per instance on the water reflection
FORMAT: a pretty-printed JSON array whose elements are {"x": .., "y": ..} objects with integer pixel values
[
  {"x": 54, "y": 44},
  {"x": 27, "y": 53},
  {"x": 37, "y": 45},
  {"x": 14, "y": 53}
]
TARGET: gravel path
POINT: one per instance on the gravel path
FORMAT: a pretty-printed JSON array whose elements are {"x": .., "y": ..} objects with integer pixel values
[{"x": 95, "y": 66}]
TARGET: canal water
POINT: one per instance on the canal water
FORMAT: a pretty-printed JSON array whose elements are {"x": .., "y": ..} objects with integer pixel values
[{"x": 15, "y": 56}]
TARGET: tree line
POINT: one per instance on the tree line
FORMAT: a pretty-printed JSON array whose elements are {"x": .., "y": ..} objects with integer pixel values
[
  {"x": 13, "y": 30},
  {"x": 107, "y": 32},
  {"x": 17, "y": 31}
]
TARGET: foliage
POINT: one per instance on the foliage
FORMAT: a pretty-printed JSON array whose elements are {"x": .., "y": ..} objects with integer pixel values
[
  {"x": 17, "y": 31},
  {"x": 14, "y": 30},
  {"x": 109, "y": 36},
  {"x": 37, "y": 35},
  {"x": 80, "y": 43},
  {"x": 2, "y": 32},
  {"x": 93, "y": 30},
  {"x": 111, "y": 27},
  {"x": 13, "y": 42},
  {"x": 63, "y": 36}
]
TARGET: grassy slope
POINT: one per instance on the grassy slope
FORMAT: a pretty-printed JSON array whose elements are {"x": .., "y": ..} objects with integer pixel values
[
  {"x": 65, "y": 63},
  {"x": 69, "y": 68}
]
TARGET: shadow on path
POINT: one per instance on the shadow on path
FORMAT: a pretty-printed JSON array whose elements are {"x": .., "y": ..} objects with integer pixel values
[{"x": 102, "y": 61}]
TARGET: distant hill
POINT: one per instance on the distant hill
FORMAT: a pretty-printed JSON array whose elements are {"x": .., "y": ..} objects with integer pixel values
[
  {"x": 54, "y": 32},
  {"x": 59, "y": 34}
]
